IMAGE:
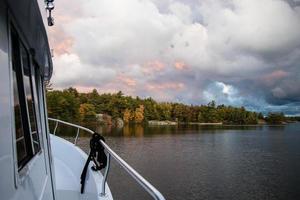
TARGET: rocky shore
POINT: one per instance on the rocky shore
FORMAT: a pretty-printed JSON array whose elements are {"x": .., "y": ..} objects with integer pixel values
[{"x": 159, "y": 123}]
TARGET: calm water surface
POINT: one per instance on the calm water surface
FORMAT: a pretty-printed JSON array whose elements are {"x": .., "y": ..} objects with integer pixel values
[{"x": 196, "y": 162}]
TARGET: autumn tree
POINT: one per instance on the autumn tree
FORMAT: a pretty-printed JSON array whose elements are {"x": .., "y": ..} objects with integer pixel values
[
  {"x": 127, "y": 116},
  {"x": 139, "y": 114},
  {"x": 87, "y": 112},
  {"x": 63, "y": 105},
  {"x": 73, "y": 106}
]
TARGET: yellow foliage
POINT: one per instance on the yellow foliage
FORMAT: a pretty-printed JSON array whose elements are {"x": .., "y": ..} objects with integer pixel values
[
  {"x": 139, "y": 114},
  {"x": 127, "y": 116},
  {"x": 87, "y": 112}
]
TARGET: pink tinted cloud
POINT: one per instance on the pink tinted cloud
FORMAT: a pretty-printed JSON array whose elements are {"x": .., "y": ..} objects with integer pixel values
[
  {"x": 278, "y": 74},
  {"x": 60, "y": 42},
  {"x": 180, "y": 65},
  {"x": 122, "y": 83},
  {"x": 271, "y": 78},
  {"x": 165, "y": 86},
  {"x": 153, "y": 66},
  {"x": 127, "y": 80}
]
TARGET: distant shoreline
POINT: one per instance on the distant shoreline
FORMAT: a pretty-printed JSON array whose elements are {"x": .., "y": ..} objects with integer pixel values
[
  {"x": 172, "y": 123},
  {"x": 208, "y": 123}
]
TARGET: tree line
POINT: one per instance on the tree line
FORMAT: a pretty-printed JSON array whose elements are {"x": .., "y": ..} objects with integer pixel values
[{"x": 73, "y": 106}]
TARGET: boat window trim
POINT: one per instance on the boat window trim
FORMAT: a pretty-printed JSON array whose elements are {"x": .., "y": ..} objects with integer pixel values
[
  {"x": 36, "y": 102},
  {"x": 17, "y": 61},
  {"x": 19, "y": 174},
  {"x": 24, "y": 90},
  {"x": 16, "y": 40}
]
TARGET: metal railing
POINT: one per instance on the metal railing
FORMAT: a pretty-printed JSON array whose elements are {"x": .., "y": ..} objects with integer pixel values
[{"x": 110, "y": 153}]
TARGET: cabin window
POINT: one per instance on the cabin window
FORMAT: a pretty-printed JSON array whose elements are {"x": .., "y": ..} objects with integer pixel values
[
  {"x": 23, "y": 139},
  {"x": 20, "y": 139},
  {"x": 26, "y": 131},
  {"x": 28, "y": 86}
]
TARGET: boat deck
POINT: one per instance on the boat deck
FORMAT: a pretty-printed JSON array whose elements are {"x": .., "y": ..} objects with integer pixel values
[{"x": 68, "y": 164}]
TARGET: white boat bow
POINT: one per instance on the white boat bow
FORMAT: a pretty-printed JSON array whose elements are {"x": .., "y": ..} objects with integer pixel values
[{"x": 69, "y": 161}]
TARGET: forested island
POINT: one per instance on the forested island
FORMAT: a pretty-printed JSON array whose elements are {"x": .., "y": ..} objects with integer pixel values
[{"x": 73, "y": 106}]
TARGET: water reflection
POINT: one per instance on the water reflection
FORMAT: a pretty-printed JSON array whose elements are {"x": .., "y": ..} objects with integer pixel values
[
  {"x": 143, "y": 130},
  {"x": 204, "y": 162}
]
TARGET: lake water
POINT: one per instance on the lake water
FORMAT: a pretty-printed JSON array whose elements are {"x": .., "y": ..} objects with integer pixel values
[{"x": 197, "y": 162}]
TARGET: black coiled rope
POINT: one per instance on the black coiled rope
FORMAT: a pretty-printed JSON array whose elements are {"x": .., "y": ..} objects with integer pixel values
[{"x": 97, "y": 155}]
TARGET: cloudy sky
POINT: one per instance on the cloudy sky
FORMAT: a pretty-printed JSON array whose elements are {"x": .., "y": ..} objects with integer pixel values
[{"x": 237, "y": 52}]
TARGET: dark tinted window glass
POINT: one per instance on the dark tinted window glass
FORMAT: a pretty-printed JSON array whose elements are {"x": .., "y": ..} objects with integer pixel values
[
  {"x": 29, "y": 98},
  {"x": 21, "y": 149},
  {"x": 23, "y": 139}
]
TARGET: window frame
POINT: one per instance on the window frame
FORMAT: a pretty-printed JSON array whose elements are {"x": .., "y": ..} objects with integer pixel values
[
  {"x": 34, "y": 100},
  {"x": 15, "y": 37},
  {"x": 17, "y": 60}
]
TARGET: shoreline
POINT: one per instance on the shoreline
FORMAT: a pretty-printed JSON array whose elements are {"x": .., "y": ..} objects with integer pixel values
[
  {"x": 207, "y": 123},
  {"x": 167, "y": 123}
]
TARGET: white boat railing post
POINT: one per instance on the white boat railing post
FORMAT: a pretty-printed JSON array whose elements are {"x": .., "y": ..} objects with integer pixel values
[
  {"x": 110, "y": 153},
  {"x": 56, "y": 125},
  {"x": 104, "y": 180},
  {"x": 77, "y": 135}
]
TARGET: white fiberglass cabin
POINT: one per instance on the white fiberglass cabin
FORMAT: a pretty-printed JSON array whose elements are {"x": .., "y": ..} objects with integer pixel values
[{"x": 34, "y": 164}]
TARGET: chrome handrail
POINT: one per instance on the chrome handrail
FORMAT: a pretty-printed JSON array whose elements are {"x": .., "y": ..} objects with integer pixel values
[{"x": 139, "y": 179}]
